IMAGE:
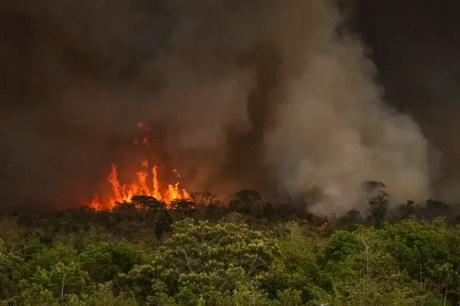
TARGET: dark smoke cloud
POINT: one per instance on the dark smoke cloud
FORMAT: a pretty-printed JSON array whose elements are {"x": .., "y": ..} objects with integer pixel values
[{"x": 273, "y": 95}]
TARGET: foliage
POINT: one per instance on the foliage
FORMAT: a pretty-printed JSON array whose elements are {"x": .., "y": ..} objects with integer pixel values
[
  {"x": 251, "y": 252},
  {"x": 245, "y": 201},
  {"x": 105, "y": 261},
  {"x": 200, "y": 260},
  {"x": 163, "y": 224}
]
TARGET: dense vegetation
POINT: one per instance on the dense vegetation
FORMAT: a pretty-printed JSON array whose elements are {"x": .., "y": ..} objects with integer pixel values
[{"x": 247, "y": 252}]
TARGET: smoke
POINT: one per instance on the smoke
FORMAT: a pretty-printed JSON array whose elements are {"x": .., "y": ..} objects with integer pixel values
[
  {"x": 333, "y": 130},
  {"x": 415, "y": 46},
  {"x": 266, "y": 94}
]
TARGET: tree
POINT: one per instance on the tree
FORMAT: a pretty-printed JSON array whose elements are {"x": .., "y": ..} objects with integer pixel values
[
  {"x": 147, "y": 203},
  {"x": 294, "y": 276},
  {"x": 245, "y": 201},
  {"x": 265, "y": 211},
  {"x": 105, "y": 261},
  {"x": 203, "y": 260},
  {"x": 378, "y": 201},
  {"x": 56, "y": 271},
  {"x": 163, "y": 224},
  {"x": 203, "y": 199},
  {"x": 341, "y": 245},
  {"x": 406, "y": 210},
  {"x": 183, "y": 206},
  {"x": 429, "y": 253},
  {"x": 63, "y": 280},
  {"x": 16, "y": 239},
  {"x": 434, "y": 209},
  {"x": 351, "y": 219},
  {"x": 104, "y": 296},
  {"x": 364, "y": 273},
  {"x": 12, "y": 269},
  {"x": 34, "y": 294},
  {"x": 125, "y": 210}
]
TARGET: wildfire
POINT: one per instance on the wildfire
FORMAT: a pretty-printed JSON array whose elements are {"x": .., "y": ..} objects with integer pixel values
[{"x": 147, "y": 184}]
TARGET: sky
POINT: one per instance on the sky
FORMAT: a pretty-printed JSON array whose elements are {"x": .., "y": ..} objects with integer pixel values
[{"x": 285, "y": 97}]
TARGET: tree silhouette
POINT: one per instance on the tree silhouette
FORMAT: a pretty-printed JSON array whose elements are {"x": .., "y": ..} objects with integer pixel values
[
  {"x": 378, "y": 201},
  {"x": 163, "y": 224},
  {"x": 147, "y": 203},
  {"x": 184, "y": 206},
  {"x": 245, "y": 201}
]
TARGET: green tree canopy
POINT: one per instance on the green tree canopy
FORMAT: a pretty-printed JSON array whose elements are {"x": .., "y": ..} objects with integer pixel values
[{"x": 204, "y": 260}]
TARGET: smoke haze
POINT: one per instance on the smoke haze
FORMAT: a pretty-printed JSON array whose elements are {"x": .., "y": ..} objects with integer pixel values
[{"x": 279, "y": 96}]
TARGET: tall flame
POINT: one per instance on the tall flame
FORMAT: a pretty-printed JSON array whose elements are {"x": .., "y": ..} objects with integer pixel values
[
  {"x": 143, "y": 186},
  {"x": 124, "y": 192}
]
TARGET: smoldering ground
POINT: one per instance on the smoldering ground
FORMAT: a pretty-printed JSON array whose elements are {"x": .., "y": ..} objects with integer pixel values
[{"x": 279, "y": 96}]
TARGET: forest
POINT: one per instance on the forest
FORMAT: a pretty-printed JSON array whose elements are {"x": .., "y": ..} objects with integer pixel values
[
  {"x": 112, "y": 112},
  {"x": 200, "y": 251}
]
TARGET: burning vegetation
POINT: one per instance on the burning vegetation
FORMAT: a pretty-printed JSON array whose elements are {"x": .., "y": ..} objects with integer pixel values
[
  {"x": 146, "y": 184},
  {"x": 290, "y": 104}
]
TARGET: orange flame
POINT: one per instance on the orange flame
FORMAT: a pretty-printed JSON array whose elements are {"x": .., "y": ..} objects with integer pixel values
[
  {"x": 143, "y": 185},
  {"x": 124, "y": 192},
  {"x": 95, "y": 203}
]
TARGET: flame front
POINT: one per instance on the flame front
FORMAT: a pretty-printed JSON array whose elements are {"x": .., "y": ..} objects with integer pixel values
[{"x": 143, "y": 186}]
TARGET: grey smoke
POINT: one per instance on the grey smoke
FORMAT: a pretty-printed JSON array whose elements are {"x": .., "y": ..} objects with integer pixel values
[{"x": 268, "y": 95}]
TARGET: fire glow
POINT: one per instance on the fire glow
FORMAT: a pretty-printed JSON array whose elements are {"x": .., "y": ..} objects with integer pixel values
[{"x": 147, "y": 184}]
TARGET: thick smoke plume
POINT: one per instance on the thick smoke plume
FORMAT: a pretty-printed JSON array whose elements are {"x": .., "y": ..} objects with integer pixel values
[
  {"x": 266, "y": 94},
  {"x": 415, "y": 46}
]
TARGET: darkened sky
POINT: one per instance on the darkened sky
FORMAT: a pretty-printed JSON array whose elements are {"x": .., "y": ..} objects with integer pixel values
[{"x": 75, "y": 79}]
